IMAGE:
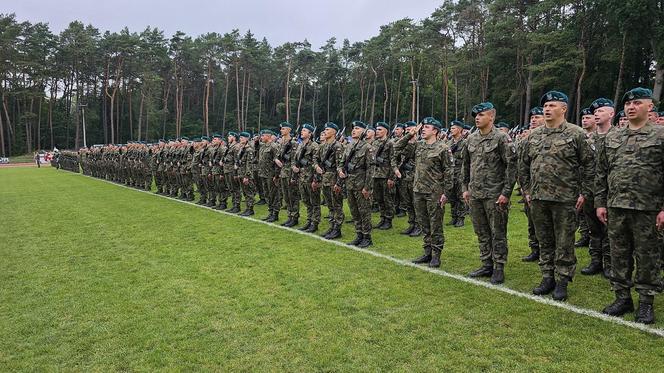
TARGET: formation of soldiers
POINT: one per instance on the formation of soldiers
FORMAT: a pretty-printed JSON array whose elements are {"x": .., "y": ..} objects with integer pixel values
[
  {"x": 66, "y": 160},
  {"x": 608, "y": 173}
]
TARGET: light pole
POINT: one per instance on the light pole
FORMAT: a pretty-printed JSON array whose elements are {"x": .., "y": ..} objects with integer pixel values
[{"x": 85, "y": 142}]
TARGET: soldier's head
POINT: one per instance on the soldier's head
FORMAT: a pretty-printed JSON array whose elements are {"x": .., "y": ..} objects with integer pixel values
[
  {"x": 503, "y": 127},
  {"x": 330, "y": 131},
  {"x": 232, "y": 137},
  {"x": 603, "y": 111},
  {"x": 653, "y": 115},
  {"x": 587, "y": 119},
  {"x": 370, "y": 133},
  {"x": 554, "y": 105},
  {"x": 184, "y": 141},
  {"x": 430, "y": 128},
  {"x": 622, "y": 119},
  {"x": 285, "y": 129},
  {"x": 456, "y": 128},
  {"x": 637, "y": 104},
  {"x": 382, "y": 130},
  {"x": 660, "y": 118},
  {"x": 399, "y": 130},
  {"x": 484, "y": 114},
  {"x": 536, "y": 117},
  {"x": 307, "y": 131},
  {"x": 359, "y": 128},
  {"x": 244, "y": 137}
]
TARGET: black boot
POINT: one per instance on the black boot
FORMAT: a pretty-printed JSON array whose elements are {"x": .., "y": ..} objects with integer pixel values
[
  {"x": 387, "y": 224},
  {"x": 593, "y": 268},
  {"x": 415, "y": 232},
  {"x": 409, "y": 229},
  {"x": 459, "y": 223},
  {"x": 274, "y": 217},
  {"x": 620, "y": 306},
  {"x": 381, "y": 222},
  {"x": 545, "y": 287},
  {"x": 452, "y": 222},
  {"x": 426, "y": 258},
  {"x": 336, "y": 233},
  {"x": 235, "y": 209},
  {"x": 533, "y": 256},
  {"x": 202, "y": 201},
  {"x": 306, "y": 226},
  {"x": 327, "y": 232},
  {"x": 645, "y": 314},
  {"x": 247, "y": 212},
  {"x": 267, "y": 217},
  {"x": 366, "y": 241},
  {"x": 498, "y": 275},
  {"x": 486, "y": 270},
  {"x": 312, "y": 228},
  {"x": 435, "y": 259},
  {"x": 584, "y": 241},
  {"x": 358, "y": 238},
  {"x": 294, "y": 222},
  {"x": 261, "y": 201},
  {"x": 560, "y": 292}
]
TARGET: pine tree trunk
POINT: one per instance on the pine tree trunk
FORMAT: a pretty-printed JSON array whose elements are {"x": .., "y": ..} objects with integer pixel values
[
  {"x": 131, "y": 119},
  {"x": 140, "y": 116},
  {"x": 621, "y": 69},
  {"x": 223, "y": 119},
  {"x": 299, "y": 103}
]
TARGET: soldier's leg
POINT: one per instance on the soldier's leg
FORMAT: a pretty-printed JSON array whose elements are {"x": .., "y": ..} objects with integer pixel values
[
  {"x": 482, "y": 228},
  {"x": 220, "y": 184},
  {"x": 647, "y": 251},
  {"x": 584, "y": 230},
  {"x": 337, "y": 215},
  {"x": 622, "y": 250},
  {"x": 498, "y": 217},
  {"x": 437, "y": 239},
  {"x": 564, "y": 227},
  {"x": 543, "y": 221},
  {"x": 406, "y": 192},
  {"x": 315, "y": 205},
  {"x": 249, "y": 192},
  {"x": 211, "y": 190},
  {"x": 306, "y": 200},
  {"x": 364, "y": 208},
  {"x": 595, "y": 229},
  {"x": 422, "y": 211}
]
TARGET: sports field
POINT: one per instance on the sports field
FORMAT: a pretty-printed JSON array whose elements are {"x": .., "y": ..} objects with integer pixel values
[{"x": 95, "y": 276}]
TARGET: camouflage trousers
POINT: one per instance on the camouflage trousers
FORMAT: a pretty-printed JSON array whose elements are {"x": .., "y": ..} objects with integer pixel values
[
  {"x": 271, "y": 193},
  {"x": 335, "y": 204},
  {"x": 218, "y": 185},
  {"x": 533, "y": 243},
  {"x": 233, "y": 188},
  {"x": 490, "y": 225},
  {"x": 159, "y": 179},
  {"x": 555, "y": 225},
  {"x": 384, "y": 197},
  {"x": 599, "y": 248},
  {"x": 199, "y": 180},
  {"x": 430, "y": 217},
  {"x": 249, "y": 192},
  {"x": 187, "y": 184},
  {"x": 291, "y": 196},
  {"x": 634, "y": 240},
  {"x": 584, "y": 228},
  {"x": 311, "y": 200},
  {"x": 360, "y": 210},
  {"x": 457, "y": 205},
  {"x": 405, "y": 189}
]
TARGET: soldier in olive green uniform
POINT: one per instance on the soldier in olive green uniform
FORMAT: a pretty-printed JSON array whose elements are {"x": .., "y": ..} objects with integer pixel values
[
  {"x": 550, "y": 177},
  {"x": 383, "y": 176},
  {"x": 230, "y": 171},
  {"x": 197, "y": 170},
  {"x": 488, "y": 178},
  {"x": 434, "y": 178},
  {"x": 244, "y": 166},
  {"x": 287, "y": 149},
  {"x": 403, "y": 165},
  {"x": 218, "y": 182},
  {"x": 629, "y": 197},
  {"x": 356, "y": 172},
  {"x": 328, "y": 159},
  {"x": 536, "y": 120},
  {"x": 159, "y": 176},
  {"x": 303, "y": 172},
  {"x": 267, "y": 173},
  {"x": 456, "y": 143}
]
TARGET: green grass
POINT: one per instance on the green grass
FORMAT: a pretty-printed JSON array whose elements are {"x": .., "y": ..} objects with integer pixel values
[
  {"x": 98, "y": 277},
  {"x": 25, "y": 158}
]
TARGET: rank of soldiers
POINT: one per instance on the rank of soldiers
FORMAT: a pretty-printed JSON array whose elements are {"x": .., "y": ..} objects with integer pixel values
[{"x": 606, "y": 176}]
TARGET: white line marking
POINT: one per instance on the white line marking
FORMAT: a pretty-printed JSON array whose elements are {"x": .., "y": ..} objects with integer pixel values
[{"x": 548, "y": 301}]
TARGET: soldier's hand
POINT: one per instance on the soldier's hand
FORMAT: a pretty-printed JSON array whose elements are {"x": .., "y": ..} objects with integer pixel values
[
  {"x": 390, "y": 183},
  {"x": 603, "y": 215},
  {"x": 466, "y": 197},
  {"x": 319, "y": 170},
  {"x": 442, "y": 200},
  {"x": 579, "y": 202},
  {"x": 502, "y": 201},
  {"x": 245, "y": 181},
  {"x": 337, "y": 189},
  {"x": 295, "y": 169},
  {"x": 528, "y": 199},
  {"x": 342, "y": 174},
  {"x": 275, "y": 180},
  {"x": 314, "y": 186},
  {"x": 278, "y": 163},
  {"x": 397, "y": 173},
  {"x": 660, "y": 220},
  {"x": 365, "y": 193}
]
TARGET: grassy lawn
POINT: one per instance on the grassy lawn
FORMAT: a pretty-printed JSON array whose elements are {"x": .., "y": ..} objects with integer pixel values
[
  {"x": 98, "y": 277},
  {"x": 25, "y": 158}
]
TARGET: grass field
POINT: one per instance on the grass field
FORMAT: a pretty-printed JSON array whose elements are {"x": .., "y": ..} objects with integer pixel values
[{"x": 98, "y": 277}]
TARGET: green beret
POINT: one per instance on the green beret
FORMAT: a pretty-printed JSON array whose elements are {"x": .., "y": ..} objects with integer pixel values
[
  {"x": 586, "y": 111},
  {"x": 467, "y": 127},
  {"x": 171, "y": 139},
  {"x": 267, "y": 132},
  {"x": 245, "y": 134},
  {"x": 359, "y": 123},
  {"x": 600, "y": 102},
  {"x": 162, "y": 140},
  {"x": 502, "y": 125},
  {"x": 399, "y": 125},
  {"x": 621, "y": 114},
  {"x": 660, "y": 113},
  {"x": 216, "y": 136},
  {"x": 432, "y": 121},
  {"x": 307, "y": 126},
  {"x": 457, "y": 123},
  {"x": 370, "y": 127},
  {"x": 553, "y": 96},
  {"x": 384, "y": 125},
  {"x": 285, "y": 124},
  {"x": 184, "y": 138},
  {"x": 635, "y": 94},
  {"x": 484, "y": 106},
  {"x": 537, "y": 110},
  {"x": 410, "y": 123},
  {"x": 332, "y": 125},
  {"x": 205, "y": 138}
]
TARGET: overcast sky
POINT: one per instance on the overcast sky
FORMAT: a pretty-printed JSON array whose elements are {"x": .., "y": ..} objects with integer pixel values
[{"x": 278, "y": 21}]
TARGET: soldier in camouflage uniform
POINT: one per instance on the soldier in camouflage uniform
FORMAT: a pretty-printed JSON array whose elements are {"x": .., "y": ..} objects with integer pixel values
[
  {"x": 244, "y": 165},
  {"x": 230, "y": 171},
  {"x": 218, "y": 184},
  {"x": 198, "y": 173},
  {"x": 303, "y": 172},
  {"x": 327, "y": 160},
  {"x": 536, "y": 120},
  {"x": 629, "y": 197},
  {"x": 556, "y": 190},
  {"x": 403, "y": 165},
  {"x": 434, "y": 178},
  {"x": 267, "y": 173},
  {"x": 355, "y": 171},
  {"x": 488, "y": 178},
  {"x": 457, "y": 143},
  {"x": 383, "y": 177},
  {"x": 287, "y": 149},
  {"x": 159, "y": 158}
]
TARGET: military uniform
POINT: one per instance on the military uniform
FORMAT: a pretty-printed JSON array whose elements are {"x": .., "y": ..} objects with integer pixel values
[
  {"x": 328, "y": 159},
  {"x": 245, "y": 173},
  {"x": 267, "y": 173},
  {"x": 383, "y": 195},
  {"x": 404, "y": 161},
  {"x": 289, "y": 190},
  {"x": 229, "y": 161},
  {"x": 304, "y": 162},
  {"x": 457, "y": 204}
]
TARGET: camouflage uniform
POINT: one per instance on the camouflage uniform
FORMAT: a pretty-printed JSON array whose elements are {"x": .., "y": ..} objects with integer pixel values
[
  {"x": 383, "y": 171},
  {"x": 267, "y": 153},
  {"x": 357, "y": 163},
  {"x": 218, "y": 182},
  {"x": 304, "y": 160},
  {"x": 328, "y": 158},
  {"x": 457, "y": 204},
  {"x": 289, "y": 190},
  {"x": 245, "y": 170},
  {"x": 231, "y": 178},
  {"x": 404, "y": 160},
  {"x": 197, "y": 175}
]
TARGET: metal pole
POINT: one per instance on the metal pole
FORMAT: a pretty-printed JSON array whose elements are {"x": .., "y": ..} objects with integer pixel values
[
  {"x": 85, "y": 142},
  {"x": 418, "y": 101}
]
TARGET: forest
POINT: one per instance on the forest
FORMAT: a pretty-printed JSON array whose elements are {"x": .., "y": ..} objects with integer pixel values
[{"x": 142, "y": 85}]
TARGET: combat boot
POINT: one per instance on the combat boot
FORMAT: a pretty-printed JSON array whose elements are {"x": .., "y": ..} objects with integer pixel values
[
  {"x": 306, "y": 226},
  {"x": 387, "y": 224},
  {"x": 327, "y": 232},
  {"x": 415, "y": 232},
  {"x": 620, "y": 306},
  {"x": 235, "y": 209},
  {"x": 452, "y": 222},
  {"x": 584, "y": 241},
  {"x": 408, "y": 230},
  {"x": 533, "y": 256},
  {"x": 646, "y": 312},
  {"x": 261, "y": 201},
  {"x": 202, "y": 200},
  {"x": 486, "y": 270},
  {"x": 545, "y": 287},
  {"x": 366, "y": 241},
  {"x": 312, "y": 228},
  {"x": 247, "y": 212},
  {"x": 560, "y": 292},
  {"x": 459, "y": 223},
  {"x": 435, "y": 259},
  {"x": 267, "y": 217},
  {"x": 221, "y": 206},
  {"x": 498, "y": 275},
  {"x": 380, "y": 223},
  {"x": 274, "y": 217},
  {"x": 358, "y": 238},
  {"x": 425, "y": 258},
  {"x": 336, "y": 233},
  {"x": 288, "y": 222},
  {"x": 593, "y": 268}
]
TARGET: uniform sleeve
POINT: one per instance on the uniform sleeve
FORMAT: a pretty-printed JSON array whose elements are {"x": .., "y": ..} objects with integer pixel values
[
  {"x": 465, "y": 168},
  {"x": 389, "y": 151},
  {"x": 601, "y": 177},
  {"x": 448, "y": 171},
  {"x": 587, "y": 159},
  {"x": 508, "y": 153},
  {"x": 369, "y": 161},
  {"x": 523, "y": 166}
]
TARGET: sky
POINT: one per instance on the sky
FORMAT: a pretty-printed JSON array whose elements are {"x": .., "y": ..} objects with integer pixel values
[{"x": 278, "y": 21}]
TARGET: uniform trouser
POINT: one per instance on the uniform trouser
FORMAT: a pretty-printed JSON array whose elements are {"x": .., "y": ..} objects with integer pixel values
[
  {"x": 584, "y": 228},
  {"x": 258, "y": 186},
  {"x": 219, "y": 186},
  {"x": 490, "y": 225},
  {"x": 634, "y": 240},
  {"x": 147, "y": 177},
  {"x": 311, "y": 200},
  {"x": 291, "y": 196},
  {"x": 187, "y": 184},
  {"x": 159, "y": 179},
  {"x": 384, "y": 197},
  {"x": 335, "y": 204},
  {"x": 249, "y": 192},
  {"x": 555, "y": 225},
  {"x": 233, "y": 187},
  {"x": 533, "y": 243},
  {"x": 430, "y": 217},
  {"x": 360, "y": 209},
  {"x": 271, "y": 193},
  {"x": 198, "y": 180},
  {"x": 457, "y": 204},
  {"x": 406, "y": 197},
  {"x": 599, "y": 248}
]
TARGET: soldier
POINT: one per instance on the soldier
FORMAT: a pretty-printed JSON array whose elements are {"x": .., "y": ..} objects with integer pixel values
[
  {"x": 588, "y": 125},
  {"x": 556, "y": 190},
  {"x": 287, "y": 150},
  {"x": 244, "y": 167},
  {"x": 218, "y": 182},
  {"x": 267, "y": 154},
  {"x": 399, "y": 207},
  {"x": 230, "y": 171},
  {"x": 328, "y": 159},
  {"x": 197, "y": 172},
  {"x": 488, "y": 178},
  {"x": 207, "y": 183},
  {"x": 258, "y": 185},
  {"x": 457, "y": 143},
  {"x": 355, "y": 172},
  {"x": 433, "y": 182},
  {"x": 383, "y": 177},
  {"x": 536, "y": 120},
  {"x": 303, "y": 172},
  {"x": 660, "y": 118},
  {"x": 629, "y": 197},
  {"x": 159, "y": 158},
  {"x": 403, "y": 164}
]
